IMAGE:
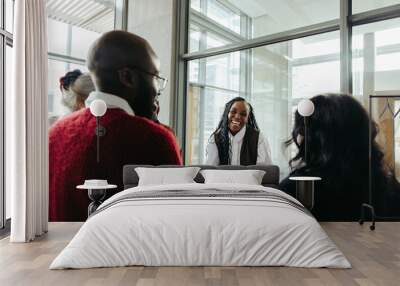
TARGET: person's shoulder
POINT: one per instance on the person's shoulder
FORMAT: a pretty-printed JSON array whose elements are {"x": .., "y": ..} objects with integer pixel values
[
  {"x": 143, "y": 123},
  {"x": 211, "y": 140},
  {"x": 144, "y": 126},
  {"x": 160, "y": 129},
  {"x": 213, "y": 137},
  {"x": 69, "y": 121},
  {"x": 168, "y": 128}
]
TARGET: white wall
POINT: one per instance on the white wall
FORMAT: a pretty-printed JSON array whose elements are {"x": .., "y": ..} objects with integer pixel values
[{"x": 153, "y": 20}]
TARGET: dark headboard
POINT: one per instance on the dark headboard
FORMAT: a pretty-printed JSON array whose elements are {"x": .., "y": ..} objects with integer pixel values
[{"x": 270, "y": 179}]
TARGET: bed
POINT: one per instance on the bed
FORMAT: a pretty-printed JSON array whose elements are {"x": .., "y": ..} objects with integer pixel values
[{"x": 201, "y": 224}]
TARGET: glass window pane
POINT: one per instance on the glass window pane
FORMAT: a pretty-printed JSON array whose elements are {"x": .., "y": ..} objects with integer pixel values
[
  {"x": 9, "y": 9},
  {"x": 285, "y": 73},
  {"x": 320, "y": 45},
  {"x": 81, "y": 40},
  {"x": 56, "y": 70},
  {"x": 315, "y": 65},
  {"x": 223, "y": 15},
  {"x": 195, "y": 4},
  {"x": 194, "y": 38},
  {"x": 280, "y": 16},
  {"x": 201, "y": 39},
  {"x": 367, "y": 5},
  {"x": 376, "y": 58},
  {"x": 240, "y": 20},
  {"x": 214, "y": 23},
  {"x": 82, "y": 68},
  {"x": 311, "y": 79},
  {"x": 273, "y": 78},
  {"x": 223, "y": 71},
  {"x": 194, "y": 71},
  {"x": 57, "y": 37}
]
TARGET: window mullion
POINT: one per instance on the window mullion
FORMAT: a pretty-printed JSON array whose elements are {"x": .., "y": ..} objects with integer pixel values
[{"x": 346, "y": 83}]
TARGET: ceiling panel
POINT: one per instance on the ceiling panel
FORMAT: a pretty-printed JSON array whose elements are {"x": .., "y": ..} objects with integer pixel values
[{"x": 93, "y": 15}]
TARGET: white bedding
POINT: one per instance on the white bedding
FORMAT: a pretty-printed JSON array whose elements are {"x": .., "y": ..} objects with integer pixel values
[{"x": 200, "y": 231}]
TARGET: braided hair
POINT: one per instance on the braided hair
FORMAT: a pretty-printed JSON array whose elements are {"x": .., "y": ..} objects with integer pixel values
[{"x": 221, "y": 134}]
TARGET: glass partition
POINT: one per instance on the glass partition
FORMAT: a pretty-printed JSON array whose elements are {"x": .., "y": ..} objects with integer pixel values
[
  {"x": 232, "y": 21},
  {"x": 368, "y": 5},
  {"x": 272, "y": 78}
]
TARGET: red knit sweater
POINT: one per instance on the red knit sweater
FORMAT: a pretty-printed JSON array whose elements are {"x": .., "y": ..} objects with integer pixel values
[{"x": 72, "y": 156}]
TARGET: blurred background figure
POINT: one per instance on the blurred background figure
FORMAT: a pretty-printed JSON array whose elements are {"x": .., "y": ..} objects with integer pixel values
[
  {"x": 75, "y": 87},
  {"x": 339, "y": 151}
]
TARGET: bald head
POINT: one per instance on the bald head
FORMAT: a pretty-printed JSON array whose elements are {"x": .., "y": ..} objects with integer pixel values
[
  {"x": 117, "y": 49},
  {"x": 121, "y": 63}
]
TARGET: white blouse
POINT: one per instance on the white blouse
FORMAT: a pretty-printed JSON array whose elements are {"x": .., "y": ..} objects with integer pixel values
[{"x": 263, "y": 156}]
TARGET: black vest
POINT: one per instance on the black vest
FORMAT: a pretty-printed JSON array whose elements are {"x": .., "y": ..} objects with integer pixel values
[{"x": 249, "y": 150}]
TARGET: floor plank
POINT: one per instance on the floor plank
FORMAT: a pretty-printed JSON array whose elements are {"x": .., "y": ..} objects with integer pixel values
[{"x": 375, "y": 257}]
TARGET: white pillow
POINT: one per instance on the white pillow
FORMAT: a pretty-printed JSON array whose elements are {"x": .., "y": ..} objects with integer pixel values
[
  {"x": 248, "y": 177},
  {"x": 166, "y": 176}
]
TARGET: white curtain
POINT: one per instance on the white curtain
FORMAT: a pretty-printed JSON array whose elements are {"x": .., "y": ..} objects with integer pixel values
[{"x": 26, "y": 120}]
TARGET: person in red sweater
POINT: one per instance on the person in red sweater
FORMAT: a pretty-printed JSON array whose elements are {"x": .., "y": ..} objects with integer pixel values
[{"x": 125, "y": 72}]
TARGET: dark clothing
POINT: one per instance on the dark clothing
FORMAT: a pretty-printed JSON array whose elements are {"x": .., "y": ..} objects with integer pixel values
[
  {"x": 338, "y": 198},
  {"x": 329, "y": 204},
  {"x": 248, "y": 151}
]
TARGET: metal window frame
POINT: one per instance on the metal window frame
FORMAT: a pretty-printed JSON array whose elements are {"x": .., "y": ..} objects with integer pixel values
[
  {"x": 178, "y": 101},
  {"x": 6, "y": 39},
  {"x": 65, "y": 59},
  {"x": 347, "y": 20},
  {"x": 346, "y": 82},
  {"x": 121, "y": 15},
  {"x": 2, "y": 125},
  {"x": 311, "y": 30},
  {"x": 380, "y": 14}
]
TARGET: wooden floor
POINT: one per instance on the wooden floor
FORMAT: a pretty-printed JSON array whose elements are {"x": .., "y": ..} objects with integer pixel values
[{"x": 375, "y": 257}]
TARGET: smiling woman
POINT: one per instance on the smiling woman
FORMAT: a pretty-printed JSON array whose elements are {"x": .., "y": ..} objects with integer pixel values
[{"x": 237, "y": 139}]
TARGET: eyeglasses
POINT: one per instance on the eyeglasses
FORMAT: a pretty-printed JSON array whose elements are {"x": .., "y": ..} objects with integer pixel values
[{"x": 161, "y": 82}]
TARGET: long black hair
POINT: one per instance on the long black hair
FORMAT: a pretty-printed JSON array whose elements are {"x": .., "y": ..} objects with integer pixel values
[
  {"x": 222, "y": 131},
  {"x": 338, "y": 143}
]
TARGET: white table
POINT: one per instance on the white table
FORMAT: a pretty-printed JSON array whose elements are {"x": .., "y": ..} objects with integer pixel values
[
  {"x": 96, "y": 195},
  {"x": 305, "y": 190}
]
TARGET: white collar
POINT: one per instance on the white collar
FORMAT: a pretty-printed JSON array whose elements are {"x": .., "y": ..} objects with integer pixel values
[
  {"x": 111, "y": 100},
  {"x": 238, "y": 136}
]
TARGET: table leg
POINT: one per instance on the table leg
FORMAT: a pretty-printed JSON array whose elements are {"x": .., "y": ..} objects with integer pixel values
[
  {"x": 305, "y": 193},
  {"x": 96, "y": 196}
]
